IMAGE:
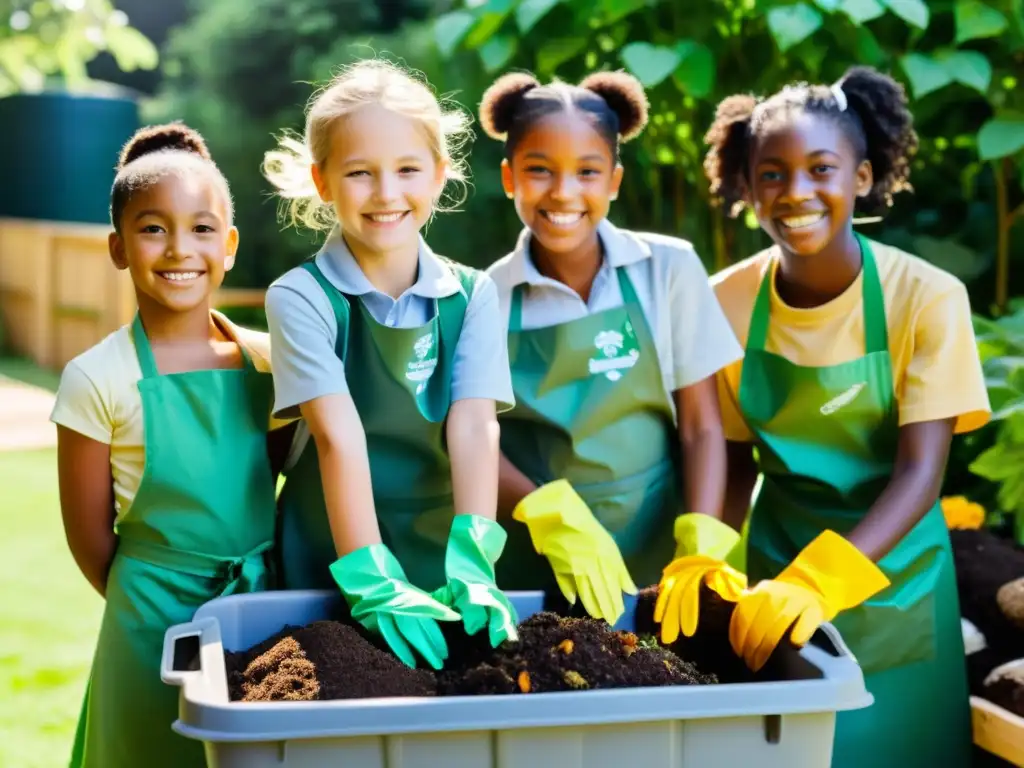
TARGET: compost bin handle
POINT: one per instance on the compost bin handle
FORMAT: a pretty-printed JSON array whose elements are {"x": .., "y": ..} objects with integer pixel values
[{"x": 200, "y": 641}]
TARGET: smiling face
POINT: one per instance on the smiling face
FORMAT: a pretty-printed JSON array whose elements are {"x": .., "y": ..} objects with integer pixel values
[
  {"x": 562, "y": 176},
  {"x": 804, "y": 181},
  {"x": 176, "y": 240},
  {"x": 382, "y": 177}
]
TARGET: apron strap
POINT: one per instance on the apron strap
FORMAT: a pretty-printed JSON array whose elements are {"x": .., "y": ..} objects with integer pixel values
[
  {"x": 876, "y": 334},
  {"x": 143, "y": 350},
  {"x": 515, "y": 310},
  {"x": 339, "y": 303},
  {"x": 451, "y": 311}
]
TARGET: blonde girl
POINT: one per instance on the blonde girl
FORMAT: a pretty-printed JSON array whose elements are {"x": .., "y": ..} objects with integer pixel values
[{"x": 395, "y": 359}]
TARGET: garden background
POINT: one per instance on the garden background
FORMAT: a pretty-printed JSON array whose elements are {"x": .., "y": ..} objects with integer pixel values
[{"x": 240, "y": 71}]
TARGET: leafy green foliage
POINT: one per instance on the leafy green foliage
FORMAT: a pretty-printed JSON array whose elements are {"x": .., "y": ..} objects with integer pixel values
[
  {"x": 1001, "y": 344},
  {"x": 43, "y": 39}
]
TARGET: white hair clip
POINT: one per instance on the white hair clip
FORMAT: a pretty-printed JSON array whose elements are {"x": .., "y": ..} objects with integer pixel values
[{"x": 839, "y": 96}]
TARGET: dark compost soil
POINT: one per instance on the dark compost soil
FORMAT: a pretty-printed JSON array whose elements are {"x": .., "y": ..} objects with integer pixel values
[
  {"x": 323, "y": 660},
  {"x": 338, "y": 660},
  {"x": 987, "y": 567},
  {"x": 563, "y": 654},
  {"x": 709, "y": 648},
  {"x": 1006, "y": 689}
]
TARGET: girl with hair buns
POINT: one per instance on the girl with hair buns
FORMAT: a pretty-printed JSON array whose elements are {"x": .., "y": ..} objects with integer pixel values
[
  {"x": 614, "y": 341},
  {"x": 166, "y": 485},
  {"x": 395, "y": 359},
  {"x": 860, "y": 365}
]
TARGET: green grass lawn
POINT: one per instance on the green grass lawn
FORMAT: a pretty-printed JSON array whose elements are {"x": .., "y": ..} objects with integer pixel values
[{"x": 49, "y": 620}]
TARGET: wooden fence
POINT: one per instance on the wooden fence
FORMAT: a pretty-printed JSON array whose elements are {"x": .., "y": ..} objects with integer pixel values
[{"x": 59, "y": 293}]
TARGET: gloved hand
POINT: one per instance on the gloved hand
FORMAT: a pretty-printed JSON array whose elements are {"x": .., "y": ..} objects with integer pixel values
[
  {"x": 583, "y": 555},
  {"x": 830, "y": 575},
  {"x": 474, "y": 546},
  {"x": 702, "y": 545},
  {"x": 383, "y": 601}
]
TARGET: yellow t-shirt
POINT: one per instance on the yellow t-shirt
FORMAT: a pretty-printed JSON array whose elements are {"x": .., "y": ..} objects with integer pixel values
[
  {"x": 98, "y": 397},
  {"x": 936, "y": 370}
]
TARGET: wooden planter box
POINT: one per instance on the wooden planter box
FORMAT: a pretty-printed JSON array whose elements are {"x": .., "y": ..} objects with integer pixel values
[{"x": 998, "y": 731}]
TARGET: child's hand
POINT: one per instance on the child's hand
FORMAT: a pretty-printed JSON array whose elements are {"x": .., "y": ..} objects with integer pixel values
[
  {"x": 474, "y": 546},
  {"x": 383, "y": 601}
]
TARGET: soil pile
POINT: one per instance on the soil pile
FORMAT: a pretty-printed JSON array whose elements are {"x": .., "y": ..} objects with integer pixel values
[
  {"x": 988, "y": 573},
  {"x": 709, "y": 648},
  {"x": 1005, "y": 688},
  {"x": 321, "y": 661},
  {"x": 985, "y": 564},
  {"x": 554, "y": 653}
]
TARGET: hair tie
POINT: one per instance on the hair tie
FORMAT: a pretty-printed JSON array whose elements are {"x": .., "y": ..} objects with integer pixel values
[{"x": 839, "y": 96}]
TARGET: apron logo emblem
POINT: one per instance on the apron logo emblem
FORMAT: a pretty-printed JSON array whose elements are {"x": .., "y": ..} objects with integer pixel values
[
  {"x": 610, "y": 360},
  {"x": 422, "y": 367},
  {"x": 842, "y": 400}
]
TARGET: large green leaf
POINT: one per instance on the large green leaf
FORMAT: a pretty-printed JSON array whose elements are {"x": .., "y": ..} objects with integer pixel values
[
  {"x": 695, "y": 74},
  {"x": 925, "y": 73},
  {"x": 131, "y": 49},
  {"x": 449, "y": 30},
  {"x": 1001, "y": 136},
  {"x": 792, "y": 24},
  {"x": 975, "y": 19},
  {"x": 828, "y": 5},
  {"x": 611, "y": 11},
  {"x": 999, "y": 462},
  {"x": 557, "y": 51},
  {"x": 951, "y": 256},
  {"x": 488, "y": 22},
  {"x": 650, "y": 63},
  {"x": 861, "y": 11},
  {"x": 914, "y": 12},
  {"x": 529, "y": 12},
  {"x": 969, "y": 68},
  {"x": 868, "y": 49},
  {"x": 496, "y": 52}
]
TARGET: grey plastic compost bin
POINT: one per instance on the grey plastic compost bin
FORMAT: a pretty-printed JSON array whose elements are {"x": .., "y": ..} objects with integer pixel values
[{"x": 762, "y": 725}]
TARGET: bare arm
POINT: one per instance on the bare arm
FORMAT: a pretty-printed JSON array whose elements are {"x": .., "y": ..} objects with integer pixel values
[
  {"x": 513, "y": 487},
  {"x": 915, "y": 485},
  {"x": 703, "y": 442},
  {"x": 340, "y": 442},
  {"x": 473, "y": 435},
  {"x": 740, "y": 488},
  {"x": 87, "y": 504}
]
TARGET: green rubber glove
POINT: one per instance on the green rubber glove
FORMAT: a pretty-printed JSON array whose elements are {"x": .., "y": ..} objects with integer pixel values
[
  {"x": 474, "y": 546},
  {"x": 383, "y": 601}
]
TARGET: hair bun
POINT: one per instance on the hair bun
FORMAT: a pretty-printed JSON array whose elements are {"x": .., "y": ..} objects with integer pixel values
[
  {"x": 501, "y": 101},
  {"x": 158, "y": 138},
  {"x": 625, "y": 96}
]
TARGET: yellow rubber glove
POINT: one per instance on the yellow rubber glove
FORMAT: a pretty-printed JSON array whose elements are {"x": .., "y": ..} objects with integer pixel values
[
  {"x": 702, "y": 545},
  {"x": 830, "y": 575},
  {"x": 583, "y": 555}
]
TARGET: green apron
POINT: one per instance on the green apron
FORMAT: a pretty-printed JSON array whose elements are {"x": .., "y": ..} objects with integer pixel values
[
  {"x": 199, "y": 527},
  {"x": 591, "y": 408},
  {"x": 400, "y": 382},
  {"x": 827, "y": 439}
]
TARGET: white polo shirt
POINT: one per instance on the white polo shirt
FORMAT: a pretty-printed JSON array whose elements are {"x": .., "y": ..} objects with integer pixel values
[{"x": 692, "y": 336}]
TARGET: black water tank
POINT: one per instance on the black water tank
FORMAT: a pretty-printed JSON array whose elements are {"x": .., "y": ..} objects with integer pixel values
[{"x": 57, "y": 154}]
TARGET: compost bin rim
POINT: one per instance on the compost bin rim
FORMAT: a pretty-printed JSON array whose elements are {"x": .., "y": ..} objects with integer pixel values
[{"x": 262, "y": 721}]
